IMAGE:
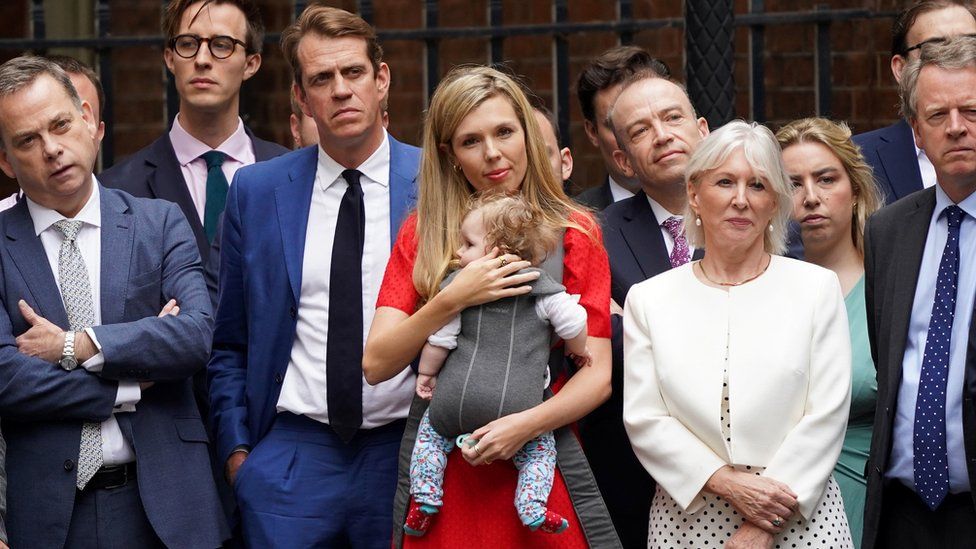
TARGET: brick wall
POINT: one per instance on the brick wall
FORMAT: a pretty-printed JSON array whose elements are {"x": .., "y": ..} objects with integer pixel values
[{"x": 863, "y": 89}]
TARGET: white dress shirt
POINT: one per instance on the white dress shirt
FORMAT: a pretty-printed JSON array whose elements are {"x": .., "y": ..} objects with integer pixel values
[
  {"x": 303, "y": 389},
  {"x": 238, "y": 148},
  {"x": 115, "y": 449},
  {"x": 661, "y": 214},
  {"x": 617, "y": 191},
  {"x": 925, "y": 167}
]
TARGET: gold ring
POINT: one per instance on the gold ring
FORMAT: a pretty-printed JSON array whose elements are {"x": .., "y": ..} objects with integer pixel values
[
  {"x": 477, "y": 450},
  {"x": 487, "y": 462},
  {"x": 502, "y": 262}
]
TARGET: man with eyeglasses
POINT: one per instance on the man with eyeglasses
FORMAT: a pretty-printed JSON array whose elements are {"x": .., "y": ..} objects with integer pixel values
[
  {"x": 212, "y": 47},
  {"x": 900, "y": 166}
]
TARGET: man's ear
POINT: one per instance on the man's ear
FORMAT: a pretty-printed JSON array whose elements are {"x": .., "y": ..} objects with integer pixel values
[
  {"x": 5, "y": 165},
  {"x": 252, "y": 65},
  {"x": 566, "y": 162},
  {"x": 591, "y": 133},
  {"x": 623, "y": 163},
  {"x": 168, "y": 59},
  {"x": 898, "y": 63}
]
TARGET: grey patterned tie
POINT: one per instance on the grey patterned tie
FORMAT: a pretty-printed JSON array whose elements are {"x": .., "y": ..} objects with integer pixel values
[{"x": 76, "y": 293}]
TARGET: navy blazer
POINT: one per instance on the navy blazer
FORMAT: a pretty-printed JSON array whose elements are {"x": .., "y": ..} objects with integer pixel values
[
  {"x": 891, "y": 153},
  {"x": 147, "y": 257},
  {"x": 154, "y": 172},
  {"x": 598, "y": 197},
  {"x": 262, "y": 249}
]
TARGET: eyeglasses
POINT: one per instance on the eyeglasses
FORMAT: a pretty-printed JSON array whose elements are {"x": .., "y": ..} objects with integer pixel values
[
  {"x": 936, "y": 40},
  {"x": 221, "y": 47}
]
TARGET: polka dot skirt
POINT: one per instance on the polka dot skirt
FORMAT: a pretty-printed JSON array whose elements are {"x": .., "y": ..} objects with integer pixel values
[{"x": 717, "y": 521}]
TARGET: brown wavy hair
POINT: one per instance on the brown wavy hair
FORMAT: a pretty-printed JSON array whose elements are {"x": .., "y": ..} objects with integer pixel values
[{"x": 514, "y": 226}]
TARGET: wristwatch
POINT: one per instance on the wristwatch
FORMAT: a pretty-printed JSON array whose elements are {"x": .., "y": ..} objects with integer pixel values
[{"x": 68, "y": 360}]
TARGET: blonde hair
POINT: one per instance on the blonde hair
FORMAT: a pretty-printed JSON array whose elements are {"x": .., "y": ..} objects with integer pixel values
[
  {"x": 444, "y": 193},
  {"x": 763, "y": 155},
  {"x": 836, "y": 136},
  {"x": 514, "y": 226}
]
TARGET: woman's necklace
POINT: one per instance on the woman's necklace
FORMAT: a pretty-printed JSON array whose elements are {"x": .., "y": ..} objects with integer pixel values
[{"x": 701, "y": 266}]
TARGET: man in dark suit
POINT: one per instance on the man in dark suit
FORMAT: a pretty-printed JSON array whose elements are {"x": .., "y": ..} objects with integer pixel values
[
  {"x": 296, "y": 299},
  {"x": 597, "y": 87},
  {"x": 920, "y": 281},
  {"x": 900, "y": 167},
  {"x": 192, "y": 164},
  {"x": 657, "y": 130},
  {"x": 105, "y": 446}
]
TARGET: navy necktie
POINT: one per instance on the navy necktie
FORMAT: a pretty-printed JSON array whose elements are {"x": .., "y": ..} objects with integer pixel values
[
  {"x": 216, "y": 192},
  {"x": 931, "y": 460},
  {"x": 344, "y": 347}
]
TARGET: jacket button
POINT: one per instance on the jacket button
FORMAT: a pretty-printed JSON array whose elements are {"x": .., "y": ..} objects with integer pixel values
[
  {"x": 277, "y": 378},
  {"x": 68, "y": 465},
  {"x": 292, "y": 311}
]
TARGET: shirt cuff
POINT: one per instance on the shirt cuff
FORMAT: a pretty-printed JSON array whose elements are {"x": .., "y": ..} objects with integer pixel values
[
  {"x": 128, "y": 395},
  {"x": 96, "y": 362},
  {"x": 241, "y": 448}
]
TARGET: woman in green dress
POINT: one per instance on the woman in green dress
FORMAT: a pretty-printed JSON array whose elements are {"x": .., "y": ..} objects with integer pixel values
[{"x": 833, "y": 194}]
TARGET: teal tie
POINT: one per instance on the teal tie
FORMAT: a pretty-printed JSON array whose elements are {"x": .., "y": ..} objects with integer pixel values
[{"x": 216, "y": 192}]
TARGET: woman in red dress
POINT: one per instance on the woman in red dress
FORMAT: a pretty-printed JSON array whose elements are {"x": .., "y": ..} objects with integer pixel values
[{"x": 481, "y": 134}]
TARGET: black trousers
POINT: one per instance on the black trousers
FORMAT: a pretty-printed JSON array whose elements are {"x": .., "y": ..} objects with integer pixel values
[{"x": 906, "y": 522}]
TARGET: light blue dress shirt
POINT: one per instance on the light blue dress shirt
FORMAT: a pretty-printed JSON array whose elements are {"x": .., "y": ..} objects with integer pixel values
[{"x": 901, "y": 465}]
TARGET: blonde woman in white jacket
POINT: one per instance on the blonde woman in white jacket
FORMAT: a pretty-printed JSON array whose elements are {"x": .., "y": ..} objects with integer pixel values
[{"x": 737, "y": 367}]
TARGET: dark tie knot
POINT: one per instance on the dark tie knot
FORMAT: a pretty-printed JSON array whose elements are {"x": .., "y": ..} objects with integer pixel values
[
  {"x": 352, "y": 177},
  {"x": 68, "y": 228},
  {"x": 953, "y": 216},
  {"x": 214, "y": 159}
]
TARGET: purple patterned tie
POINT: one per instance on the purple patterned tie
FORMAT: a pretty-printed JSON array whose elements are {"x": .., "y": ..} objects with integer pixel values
[{"x": 676, "y": 228}]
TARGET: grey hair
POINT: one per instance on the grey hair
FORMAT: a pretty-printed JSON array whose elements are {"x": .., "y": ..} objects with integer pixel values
[
  {"x": 954, "y": 53},
  {"x": 762, "y": 152},
  {"x": 20, "y": 72}
]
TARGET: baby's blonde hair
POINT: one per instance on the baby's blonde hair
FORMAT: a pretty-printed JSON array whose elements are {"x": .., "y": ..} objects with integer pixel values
[{"x": 514, "y": 226}]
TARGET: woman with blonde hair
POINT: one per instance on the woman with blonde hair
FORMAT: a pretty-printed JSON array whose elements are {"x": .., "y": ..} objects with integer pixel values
[
  {"x": 834, "y": 193},
  {"x": 737, "y": 366},
  {"x": 480, "y": 134}
]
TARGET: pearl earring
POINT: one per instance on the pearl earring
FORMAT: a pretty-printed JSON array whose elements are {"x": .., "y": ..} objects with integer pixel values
[
  {"x": 770, "y": 227},
  {"x": 697, "y": 221}
]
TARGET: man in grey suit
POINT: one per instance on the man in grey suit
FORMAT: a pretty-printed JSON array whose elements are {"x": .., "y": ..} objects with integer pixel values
[
  {"x": 105, "y": 446},
  {"x": 920, "y": 286}
]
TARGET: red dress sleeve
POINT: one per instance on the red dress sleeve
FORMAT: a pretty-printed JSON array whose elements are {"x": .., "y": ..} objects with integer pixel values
[
  {"x": 586, "y": 271},
  {"x": 397, "y": 290}
]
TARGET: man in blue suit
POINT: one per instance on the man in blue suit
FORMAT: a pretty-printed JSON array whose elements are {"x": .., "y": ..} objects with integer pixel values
[
  {"x": 105, "y": 447},
  {"x": 900, "y": 167},
  {"x": 311, "y": 449}
]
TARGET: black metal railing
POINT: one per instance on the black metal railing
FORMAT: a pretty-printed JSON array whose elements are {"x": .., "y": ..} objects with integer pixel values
[{"x": 495, "y": 31}]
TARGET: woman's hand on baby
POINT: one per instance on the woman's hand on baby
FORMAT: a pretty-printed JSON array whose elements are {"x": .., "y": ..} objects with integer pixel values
[
  {"x": 499, "y": 440},
  {"x": 489, "y": 278},
  {"x": 425, "y": 386}
]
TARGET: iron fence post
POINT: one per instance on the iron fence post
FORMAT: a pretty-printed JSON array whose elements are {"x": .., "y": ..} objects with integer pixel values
[{"x": 708, "y": 50}]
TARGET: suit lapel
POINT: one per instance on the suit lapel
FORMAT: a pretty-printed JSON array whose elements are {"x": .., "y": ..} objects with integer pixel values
[
  {"x": 900, "y": 161},
  {"x": 28, "y": 254},
  {"x": 403, "y": 174},
  {"x": 643, "y": 236},
  {"x": 167, "y": 182},
  {"x": 293, "y": 198},
  {"x": 912, "y": 233},
  {"x": 116, "y": 253}
]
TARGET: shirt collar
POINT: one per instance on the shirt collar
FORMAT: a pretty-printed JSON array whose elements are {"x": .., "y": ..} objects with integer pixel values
[
  {"x": 43, "y": 218},
  {"x": 942, "y": 201},
  {"x": 661, "y": 214},
  {"x": 376, "y": 168},
  {"x": 189, "y": 148},
  {"x": 618, "y": 191}
]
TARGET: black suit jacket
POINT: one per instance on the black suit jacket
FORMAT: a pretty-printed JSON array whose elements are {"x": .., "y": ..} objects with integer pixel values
[
  {"x": 891, "y": 153},
  {"x": 154, "y": 172},
  {"x": 637, "y": 251},
  {"x": 894, "y": 243},
  {"x": 597, "y": 198}
]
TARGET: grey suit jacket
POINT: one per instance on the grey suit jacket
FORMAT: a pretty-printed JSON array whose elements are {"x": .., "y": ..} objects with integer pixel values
[{"x": 148, "y": 255}]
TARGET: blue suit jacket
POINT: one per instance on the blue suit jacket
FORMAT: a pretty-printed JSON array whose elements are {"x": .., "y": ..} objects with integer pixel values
[
  {"x": 262, "y": 248},
  {"x": 148, "y": 256},
  {"x": 154, "y": 172},
  {"x": 891, "y": 153}
]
